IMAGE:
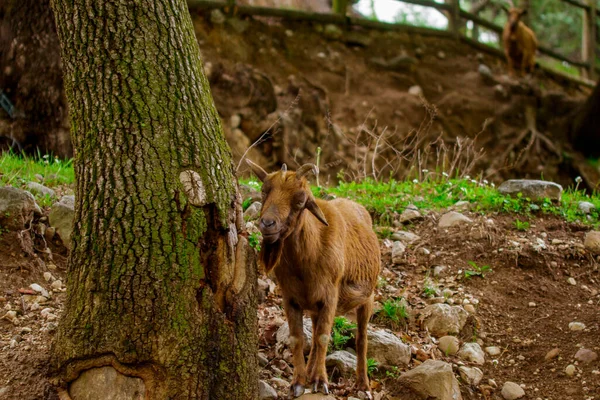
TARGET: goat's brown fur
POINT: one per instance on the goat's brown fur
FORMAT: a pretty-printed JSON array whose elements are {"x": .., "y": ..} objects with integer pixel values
[
  {"x": 520, "y": 43},
  {"x": 326, "y": 259}
]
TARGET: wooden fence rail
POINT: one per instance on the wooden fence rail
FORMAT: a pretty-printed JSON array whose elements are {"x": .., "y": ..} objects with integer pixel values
[{"x": 451, "y": 9}]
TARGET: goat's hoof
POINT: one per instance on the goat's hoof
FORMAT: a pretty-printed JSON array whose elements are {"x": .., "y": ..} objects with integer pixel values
[
  {"x": 296, "y": 390},
  {"x": 324, "y": 387},
  {"x": 367, "y": 395}
]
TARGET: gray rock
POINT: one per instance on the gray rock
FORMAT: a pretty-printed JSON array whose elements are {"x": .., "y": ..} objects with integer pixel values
[
  {"x": 283, "y": 334},
  {"x": 586, "y": 207},
  {"x": 493, "y": 351},
  {"x": 472, "y": 352},
  {"x": 586, "y": 356},
  {"x": 570, "y": 370},
  {"x": 106, "y": 383},
  {"x": 61, "y": 218},
  {"x": 39, "y": 289},
  {"x": 432, "y": 380},
  {"x": 405, "y": 237},
  {"x": 453, "y": 218},
  {"x": 238, "y": 25},
  {"x": 332, "y": 31},
  {"x": 439, "y": 270},
  {"x": 415, "y": 90},
  {"x": 486, "y": 75},
  {"x": 280, "y": 383},
  {"x": 235, "y": 122},
  {"x": 576, "y": 326},
  {"x": 472, "y": 376},
  {"x": 449, "y": 345},
  {"x": 263, "y": 361},
  {"x": 512, "y": 391},
  {"x": 441, "y": 55},
  {"x": 357, "y": 38},
  {"x": 533, "y": 189},
  {"x": 57, "y": 284},
  {"x": 217, "y": 17},
  {"x": 410, "y": 213},
  {"x": 442, "y": 319},
  {"x": 344, "y": 361},
  {"x": 500, "y": 92},
  {"x": 265, "y": 391},
  {"x": 253, "y": 211},
  {"x": 398, "y": 250},
  {"x": 17, "y": 208},
  {"x": 592, "y": 242},
  {"x": 40, "y": 189},
  {"x": 387, "y": 348}
]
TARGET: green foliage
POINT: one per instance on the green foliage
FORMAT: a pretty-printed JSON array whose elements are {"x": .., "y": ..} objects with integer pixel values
[
  {"x": 341, "y": 333},
  {"x": 394, "y": 313},
  {"x": 429, "y": 289},
  {"x": 254, "y": 240},
  {"x": 393, "y": 372},
  {"x": 17, "y": 170},
  {"x": 246, "y": 203},
  {"x": 371, "y": 366},
  {"x": 477, "y": 270},
  {"x": 521, "y": 225}
]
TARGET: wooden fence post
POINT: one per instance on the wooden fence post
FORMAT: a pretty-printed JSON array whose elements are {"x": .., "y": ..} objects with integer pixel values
[
  {"x": 454, "y": 18},
  {"x": 340, "y": 7},
  {"x": 588, "y": 45}
]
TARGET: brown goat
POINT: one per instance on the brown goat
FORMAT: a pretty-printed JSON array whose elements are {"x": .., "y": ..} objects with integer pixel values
[
  {"x": 520, "y": 43},
  {"x": 326, "y": 259}
]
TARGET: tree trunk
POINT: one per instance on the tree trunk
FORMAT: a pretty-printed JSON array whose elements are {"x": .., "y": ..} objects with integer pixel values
[
  {"x": 585, "y": 128},
  {"x": 161, "y": 285}
]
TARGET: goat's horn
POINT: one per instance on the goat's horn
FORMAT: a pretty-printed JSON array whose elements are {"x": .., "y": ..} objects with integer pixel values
[
  {"x": 283, "y": 167},
  {"x": 306, "y": 169}
]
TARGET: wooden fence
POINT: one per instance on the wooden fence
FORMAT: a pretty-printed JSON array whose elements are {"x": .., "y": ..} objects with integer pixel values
[{"x": 456, "y": 16}]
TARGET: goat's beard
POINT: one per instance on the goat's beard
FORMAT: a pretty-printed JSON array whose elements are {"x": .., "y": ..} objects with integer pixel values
[{"x": 270, "y": 253}]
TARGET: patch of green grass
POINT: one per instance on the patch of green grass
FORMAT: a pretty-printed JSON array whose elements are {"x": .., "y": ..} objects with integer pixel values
[
  {"x": 246, "y": 203},
  {"x": 17, "y": 170},
  {"x": 477, "y": 270},
  {"x": 394, "y": 313},
  {"x": 393, "y": 372},
  {"x": 254, "y": 240},
  {"x": 429, "y": 289},
  {"x": 372, "y": 365},
  {"x": 341, "y": 333},
  {"x": 521, "y": 225}
]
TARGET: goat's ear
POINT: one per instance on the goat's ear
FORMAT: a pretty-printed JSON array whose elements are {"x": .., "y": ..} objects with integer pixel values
[
  {"x": 258, "y": 171},
  {"x": 312, "y": 206}
]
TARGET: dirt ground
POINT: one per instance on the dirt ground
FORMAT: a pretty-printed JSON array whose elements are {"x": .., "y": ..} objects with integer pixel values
[{"x": 527, "y": 267}]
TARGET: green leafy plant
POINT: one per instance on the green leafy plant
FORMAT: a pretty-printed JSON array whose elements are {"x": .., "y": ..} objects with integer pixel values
[
  {"x": 477, "y": 270},
  {"x": 341, "y": 333},
  {"x": 393, "y": 372},
  {"x": 429, "y": 289},
  {"x": 521, "y": 225},
  {"x": 254, "y": 240},
  {"x": 246, "y": 203},
  {"x": 394, "y": 313},
  {"x": 372, "y": 365}
]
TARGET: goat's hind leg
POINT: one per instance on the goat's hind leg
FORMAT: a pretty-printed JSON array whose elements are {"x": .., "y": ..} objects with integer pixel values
[
  {"x": 363, "y": 315},
  {"x": 296, "y": 340}
]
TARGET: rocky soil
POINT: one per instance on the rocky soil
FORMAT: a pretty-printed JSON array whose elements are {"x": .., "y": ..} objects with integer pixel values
[{"x": 492, "y": 312}]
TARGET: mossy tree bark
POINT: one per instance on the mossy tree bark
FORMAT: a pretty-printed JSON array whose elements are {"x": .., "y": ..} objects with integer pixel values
[{"x": 161, "y": 286}]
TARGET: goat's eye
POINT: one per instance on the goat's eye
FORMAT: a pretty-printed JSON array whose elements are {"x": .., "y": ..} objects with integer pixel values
[{"x": 299, "y": 200}]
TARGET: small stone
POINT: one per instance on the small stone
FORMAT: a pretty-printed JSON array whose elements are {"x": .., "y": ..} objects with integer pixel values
[
  {"x": 386, "y": 348},
  {"x": 576, "y": 326},
  {"x": 438, "y": 270},
  {"x": 57, "y": 284},
  {"x": 332, "y": 31},
  {"x": 415, "y": 90},
  {"x": 39, "y": 289},
  {"x": 432, "y": 379},
  {"x": 469, "y": 308},
  {"x": 586, "y": 207},
  {"x": 570, "y": 370},
  {"x": 265, "y": 391},
  {"x": 571, "y": 281},
  {"x": 472, "y": 352},
  {"x": 289, "y": 33},
  {"x": 47, "y": 276},
  {"x": 493, "y": 351},
  {"x": 447, "y": 293},
  {"x": 217, "y": 17},
  {"x": 235, "y": 121},
  {"x": 486, "y": 74},
  {"x": 512, "y": 391},
  {"x": 40, "y": 189},
  {"x": 10, "y": 316},
  {"x": 441, "y": 55},
  {"x": 410, "y": 213},
  {"x": 405, "y": 237},
  {"x": 586, "y": 356},
  {"x": 449, "y": 345},
  {"x": 592, "y": 242},
  {"x": 552, "y": 354},
  {"x": 532, "y": 304},
  {"x": 253, "y": 211},
  {"x": 263, "y": 361},
  {"x": 471, "y": 375},
  {"x": 280, "y": 383},
  {"x": 443, "y": 319},
  {"x": 453, "y": 218},
  {"x": 533, "y": 189},
  {"x": 398, "y": 250}
]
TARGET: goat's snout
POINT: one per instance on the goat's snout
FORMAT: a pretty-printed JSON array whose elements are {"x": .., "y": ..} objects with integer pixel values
[
  {"x": 269, "y": 228},
  {"x": 266, "y": 223}
]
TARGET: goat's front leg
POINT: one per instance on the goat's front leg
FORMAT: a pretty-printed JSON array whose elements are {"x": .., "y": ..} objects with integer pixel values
[
  {"x": 296, "y": 341},
  {"x": 321, "y": 335},
  {"x": 363, "y": 315}
]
